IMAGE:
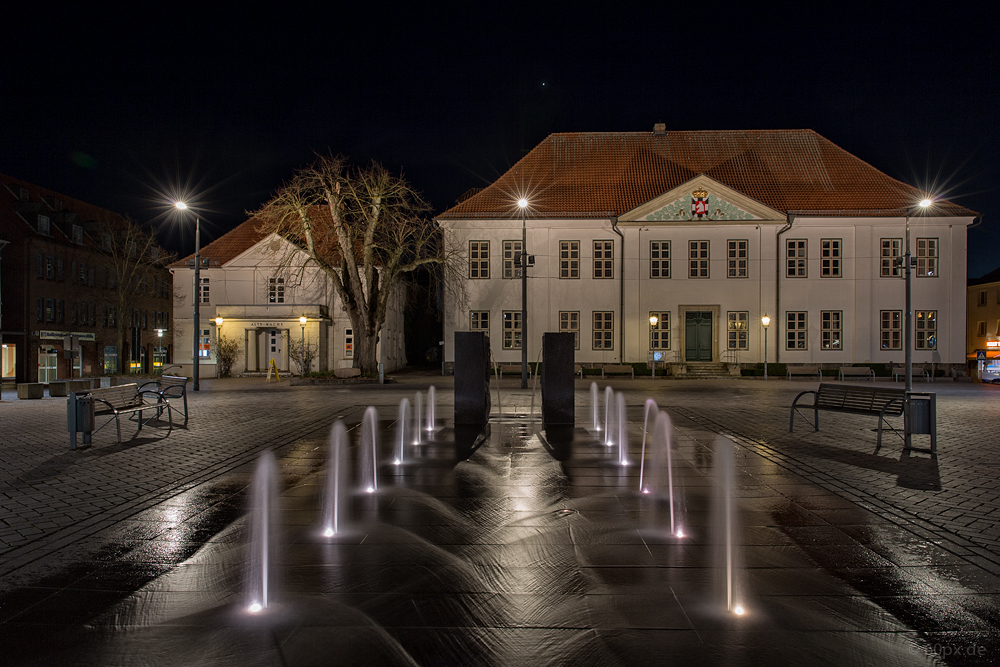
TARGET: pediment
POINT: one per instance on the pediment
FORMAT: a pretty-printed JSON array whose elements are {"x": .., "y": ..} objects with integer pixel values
[{"x": 701, "y": 200}]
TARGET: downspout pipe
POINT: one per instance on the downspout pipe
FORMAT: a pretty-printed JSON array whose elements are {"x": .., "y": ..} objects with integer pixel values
[
  {"x": 790, "y": 217},
  {"x": 621, "y": 292}
]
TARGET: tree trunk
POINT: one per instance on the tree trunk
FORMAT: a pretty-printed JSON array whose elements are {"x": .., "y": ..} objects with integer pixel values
[{"x": 366, "y": 350}]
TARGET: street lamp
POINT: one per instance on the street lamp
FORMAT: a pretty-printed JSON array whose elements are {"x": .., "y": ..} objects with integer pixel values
[
  {"x": 218, "y": 337},
  {"x": 181, "y": 206},
  {"x": 523, "y": 204},
  {"x": 908, "y": 322},
  {"x": 764, "y": 321},
  {"x": 653, "y": 319},
  {"x": 302, "y": 321}
]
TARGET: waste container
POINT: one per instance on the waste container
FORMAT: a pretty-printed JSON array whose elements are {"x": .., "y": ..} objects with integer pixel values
[
  {"x": 79, "y": 417},
  {"x": 920, "y": 417}
]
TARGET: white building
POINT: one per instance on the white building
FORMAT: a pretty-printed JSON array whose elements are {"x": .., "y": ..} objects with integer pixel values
[
  {"x": 260, "y": 286},
  {"x": 709, "y": 232}
]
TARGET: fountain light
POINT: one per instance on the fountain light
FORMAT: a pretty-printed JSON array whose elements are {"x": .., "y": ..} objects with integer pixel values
[
  {"x": 328, "y": 532},
  {"x": 396, "y": 462},
  {"x": 680, "y": 533},
  {"x": 370, "y": 489},
  {"x": 255, "y": 608},
  {"x": 738, "y": 610},
  {"x": 646, "y": 490}
]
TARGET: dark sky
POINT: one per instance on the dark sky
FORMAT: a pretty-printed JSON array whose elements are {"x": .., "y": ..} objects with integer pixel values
[{"x": 117, "y": 108}]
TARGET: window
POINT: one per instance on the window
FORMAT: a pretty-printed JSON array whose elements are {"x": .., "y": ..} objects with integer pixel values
[
  {"x": 479, "y": 320},
  {"x": 892, "y": 329},
  {"x": 205, "y": 343},
  {"x": 348, "y": 343},
  {"x": 110, "y": 359},
  {"x": 604, "y": 330},
  {"x": 50, "y": 310},
  {"x": 43, "y": 225},
  {"x": 40, "y": 303},
  {"x": 659, "y": 259},
  {"x": 659, "y": 333},
  {"x": 275, "y": 290},
  {"x": 829, "y": 258},
  {"x": 569, "y": 259},
  {"x": 511, "y": 251},
  {"x": 891, "y": 252},
  {"x": 698, "y": 259},
  {"x": 50, "y": 264},
  {"x": 737, "y": 259},
  {"x": 604, "y": 259},
  {"x": 83, "y": 273},
  {"x": 831, "y": 329},
  {"x": 479, "y": 259},
  {"x": 739, "y": 330},
  {"x": 512, "y": 329},
  {"x": 982, "y": 297},
  {"x": 40, "y": 264},
  {"x": 569, "y": 322},
  {"x": 980, "y": 330},
  {"x": 159, "y": 356},
  {"x": 106, "y": 242},
  {"x": 927, "y": 257},
  {"x": 204, "y": 290},
  {"x": 926, "y": 330},
  {"x": 795, "y": 331},
  {"x": 795, "y": 254}
]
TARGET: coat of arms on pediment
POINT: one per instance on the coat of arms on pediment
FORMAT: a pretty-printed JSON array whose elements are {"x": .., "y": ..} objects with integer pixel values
[{"x": 699, "y": 205}]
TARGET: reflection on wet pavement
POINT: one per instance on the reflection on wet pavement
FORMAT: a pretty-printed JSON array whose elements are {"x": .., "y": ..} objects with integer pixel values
[{"x": 522, "y": 546}]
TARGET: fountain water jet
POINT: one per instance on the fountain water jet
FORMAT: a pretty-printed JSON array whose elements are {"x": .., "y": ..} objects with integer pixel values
[
  {"x": 335, "y": 483},
  {"x": 431, "y": 401},
  {"x": 622, "y": 431},
  {"x": 418, "y": 414},
  {"x": 650, "y": 406},
  {"x": 368, "y": 451},
  {"x": 263, "y": 545},
  {"x": 726, "y": 521},
  {"x": 595, "y": 407},
  {"x": 609, "y": 395},
  {"x": 402, "y": 431}
]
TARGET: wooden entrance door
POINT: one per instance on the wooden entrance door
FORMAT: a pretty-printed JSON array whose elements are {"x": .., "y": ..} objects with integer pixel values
[{"x": 698, "y": 336}]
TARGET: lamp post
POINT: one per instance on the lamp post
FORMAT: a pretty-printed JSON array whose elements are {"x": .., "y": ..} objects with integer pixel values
[
  {"x": 908, "y": 320},
  {"x": 764, "y": 322},
  {"x": 197, "y": 295},
  {"x": 218, "y": 337},
  {"x": 653, "y": 319},
  {"x": 523, "y": 204},
  {"x": 302, "y": 321}
]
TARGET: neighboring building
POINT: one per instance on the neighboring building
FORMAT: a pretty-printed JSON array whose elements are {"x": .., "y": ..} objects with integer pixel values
[
  {"x": 56, "y": 285},
  {"x": 984, "y": 326},
  {"x": 708, "y": 232},
  {"x": 260, "y": 285}
]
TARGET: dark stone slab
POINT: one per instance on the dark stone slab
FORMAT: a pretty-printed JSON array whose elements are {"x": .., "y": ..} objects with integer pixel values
[
  {"x": 557, "y": 378},
  {"x": 472, "y": 375}
]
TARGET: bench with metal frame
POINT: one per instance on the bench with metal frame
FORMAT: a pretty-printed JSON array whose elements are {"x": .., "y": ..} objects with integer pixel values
[
  {"x": 127, "y": 399},
  {"x": 170, "y": 387},
  {"x": 855, "y": 400},
  {"x": 805, "y": 371},
  {"x": 856, "y": 371},
  {"x": 511, "y": 369},
  {"x": 900, "y": 374},
  {"x": 617, "y": 369}
]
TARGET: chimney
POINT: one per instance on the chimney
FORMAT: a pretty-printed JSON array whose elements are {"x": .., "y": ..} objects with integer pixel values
[{"x": 660, "y": 129}]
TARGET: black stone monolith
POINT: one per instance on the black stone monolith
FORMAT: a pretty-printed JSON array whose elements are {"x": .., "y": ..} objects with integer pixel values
[
  {"x": 557, "y": 379},
  {"x": 472, "y": 378}
]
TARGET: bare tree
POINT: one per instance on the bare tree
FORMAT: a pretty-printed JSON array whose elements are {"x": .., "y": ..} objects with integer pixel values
[
  {"x": 302, "y": 353},
  {"x": 135, "y": 262},
  {"x": 364, "y": 228}
]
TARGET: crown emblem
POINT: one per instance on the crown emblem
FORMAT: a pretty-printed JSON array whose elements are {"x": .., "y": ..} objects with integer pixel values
[{"x": 700, "y": 193}]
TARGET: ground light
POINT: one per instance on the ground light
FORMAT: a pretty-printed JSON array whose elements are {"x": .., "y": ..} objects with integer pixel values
[
  {"x": 739, "y": 610},
  {"x": 254, "y": 608}
]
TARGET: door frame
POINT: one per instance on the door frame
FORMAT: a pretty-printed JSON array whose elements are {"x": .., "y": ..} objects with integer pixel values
[{"x": 682, "y": 311}]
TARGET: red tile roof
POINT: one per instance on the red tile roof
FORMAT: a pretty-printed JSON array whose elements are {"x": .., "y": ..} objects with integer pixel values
[
  {"x": 602, "y": 174},
  {"x": 227, "y": 246}
]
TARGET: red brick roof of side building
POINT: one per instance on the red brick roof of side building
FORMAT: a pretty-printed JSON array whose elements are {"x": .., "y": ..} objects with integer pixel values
[{"x": 605, "y": 174}]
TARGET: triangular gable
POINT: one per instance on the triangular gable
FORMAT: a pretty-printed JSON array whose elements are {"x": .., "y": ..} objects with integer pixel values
[
  {"x": 271, "y": 250},
  {"x": 718, "y": 202}
]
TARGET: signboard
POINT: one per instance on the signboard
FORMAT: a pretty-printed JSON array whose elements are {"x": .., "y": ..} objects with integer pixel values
[
  {"x": 980, "y": 355},
  {"x": 993, "y": 343}
]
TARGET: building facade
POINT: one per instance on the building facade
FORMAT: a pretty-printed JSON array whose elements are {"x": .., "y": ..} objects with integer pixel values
[
  {"x": 983, "y": 345},
  {"x": 59, "y": 318},
  {"x": 255, "y": 287},
  {"x": 680, "y": 243}
]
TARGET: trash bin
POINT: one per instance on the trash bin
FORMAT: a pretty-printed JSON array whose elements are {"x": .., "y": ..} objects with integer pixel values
[
  {"x": 921, "y": 417},
  {"x": 79, "y": 417}
]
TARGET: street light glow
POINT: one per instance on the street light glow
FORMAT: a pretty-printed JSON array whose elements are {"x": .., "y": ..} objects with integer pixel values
[
  {"x": 522, "y": 202},
  {"x": 180, "y": 205},
  {"x": 302, "y": 319},
  {"x": 765, "y": 321},
  {"x": 924, "y": 203},
  {"x": 653, "y": 319}
]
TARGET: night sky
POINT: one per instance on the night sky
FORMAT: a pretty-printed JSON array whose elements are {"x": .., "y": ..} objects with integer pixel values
[{"x": 124, "y": 109}]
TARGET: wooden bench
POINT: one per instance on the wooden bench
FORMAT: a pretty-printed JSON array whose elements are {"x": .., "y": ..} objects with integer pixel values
[
  {"x": 812, "y": 371},
  {"x": 900, "y": 374},
  {"x": 511, "y": 369},
  {"x": 170, "y": 387},
  {"x": 852, "y": 399},
  {"x": 126, "y": 399},
  {"x": 856, "y": 372},
  {"x": 620, "y": 369}
]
